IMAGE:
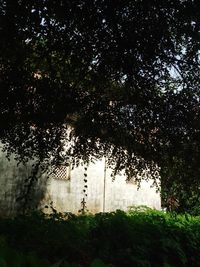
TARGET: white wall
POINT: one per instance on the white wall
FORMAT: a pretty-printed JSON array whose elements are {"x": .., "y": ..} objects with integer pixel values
[{"x": 66, "y": 195}]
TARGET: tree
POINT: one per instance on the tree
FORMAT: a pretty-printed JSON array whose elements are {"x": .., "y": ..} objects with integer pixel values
[{"x": 124, "y": 74}]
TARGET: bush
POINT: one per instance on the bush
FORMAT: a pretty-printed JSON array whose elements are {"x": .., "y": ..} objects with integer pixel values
[{"x": 138, "y": 238}]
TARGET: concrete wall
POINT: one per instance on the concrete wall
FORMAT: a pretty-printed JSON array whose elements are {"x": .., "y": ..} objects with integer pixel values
[
  {"x": 65, "y": 195},
  {"x": 103, "y": 194},
  {"x": 14, "y": 179}
]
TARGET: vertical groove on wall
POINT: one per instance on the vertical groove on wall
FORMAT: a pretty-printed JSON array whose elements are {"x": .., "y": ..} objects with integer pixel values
[{"x": 104, "y": 187}]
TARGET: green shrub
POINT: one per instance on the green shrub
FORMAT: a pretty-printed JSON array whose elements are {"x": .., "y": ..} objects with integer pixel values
[
  {"x": 141, "y": 237},
  {"x": 12, "y": 258}
]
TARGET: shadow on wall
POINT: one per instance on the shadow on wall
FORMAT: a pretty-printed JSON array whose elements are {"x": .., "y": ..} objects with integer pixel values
[{"x": 22, "y": 188}]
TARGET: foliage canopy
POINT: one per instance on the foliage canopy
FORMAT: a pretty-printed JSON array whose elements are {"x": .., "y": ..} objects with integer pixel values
[{"x": 123, "y": 74}]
